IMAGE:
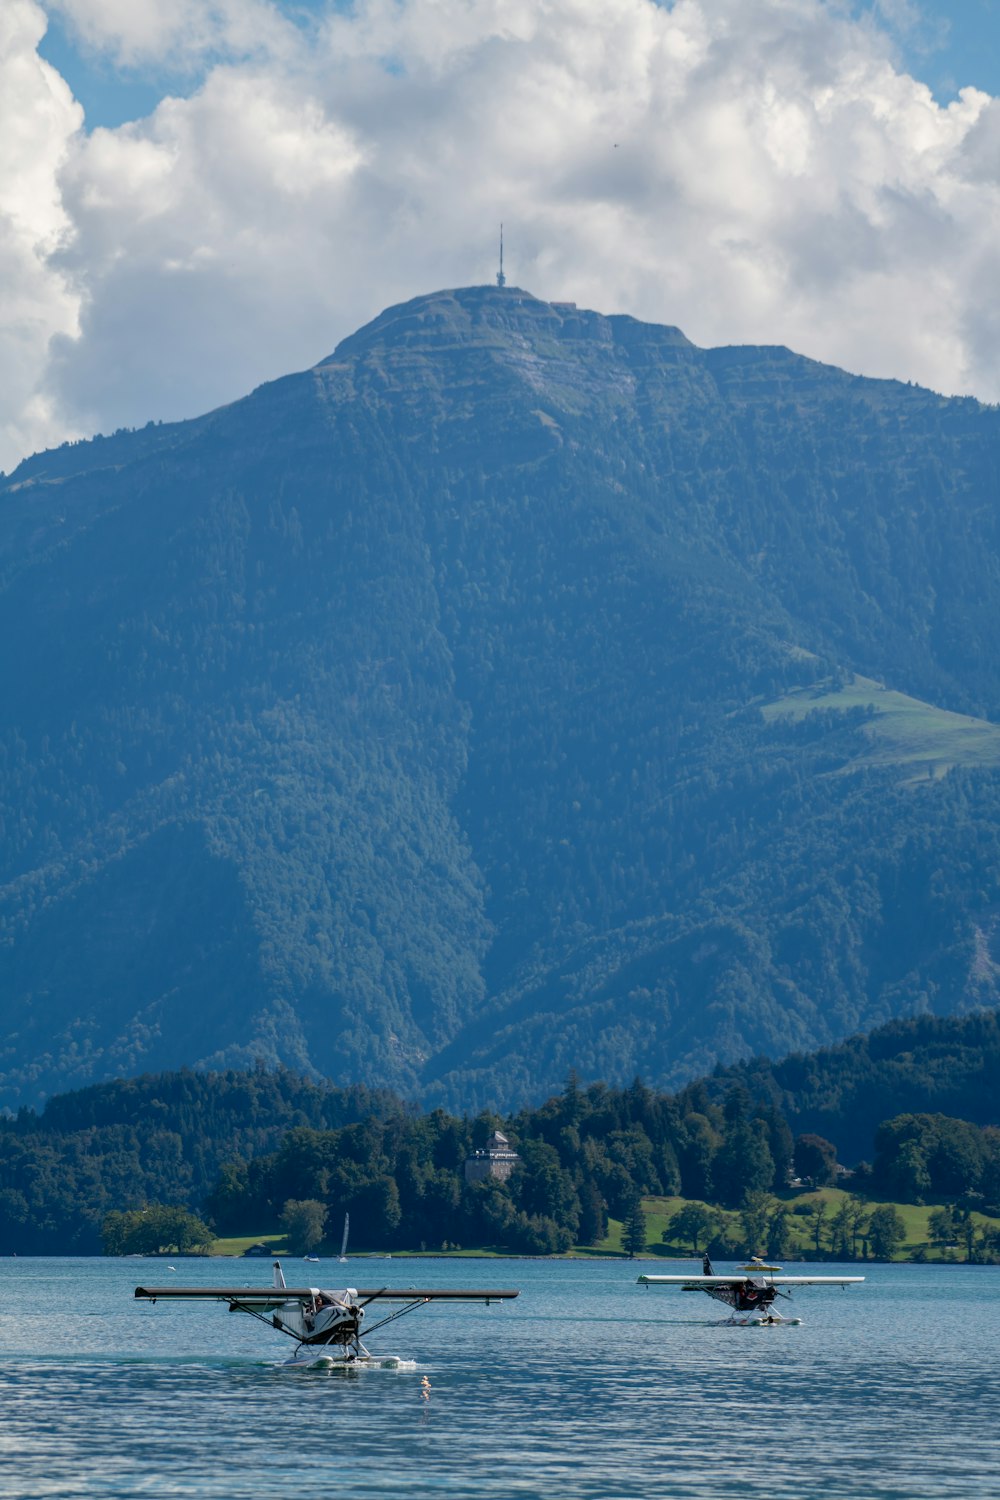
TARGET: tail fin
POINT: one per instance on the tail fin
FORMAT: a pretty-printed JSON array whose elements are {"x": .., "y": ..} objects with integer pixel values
[
  {"x": 279, "y": 1278},
  {"x": 707, "y": 1267}
]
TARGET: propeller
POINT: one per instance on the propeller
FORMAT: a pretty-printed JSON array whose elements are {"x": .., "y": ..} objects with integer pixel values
[{"x": 373, "y": 1296}]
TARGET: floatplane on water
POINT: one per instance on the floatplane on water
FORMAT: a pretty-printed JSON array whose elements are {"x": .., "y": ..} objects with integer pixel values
[
  {"x": 750, "y": 1292},
  {"x": 326, "y": 1325}
]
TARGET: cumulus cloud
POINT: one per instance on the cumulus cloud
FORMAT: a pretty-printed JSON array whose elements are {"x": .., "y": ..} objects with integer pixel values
[
  {"x": 177, "y": 33},
  {"x": 38, "y": 120},
  {"x": 752, "y": 170}
]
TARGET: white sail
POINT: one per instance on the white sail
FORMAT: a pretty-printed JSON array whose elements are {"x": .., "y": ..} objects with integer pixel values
[{"x": 343, "y": 1243}]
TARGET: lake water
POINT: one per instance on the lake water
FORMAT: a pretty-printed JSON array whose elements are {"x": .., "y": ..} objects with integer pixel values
[{"x": 587, "y": 1386}]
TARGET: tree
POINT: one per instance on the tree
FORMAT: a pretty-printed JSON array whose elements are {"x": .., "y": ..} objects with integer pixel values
[
  {"x": 723, "y": 1245},
  {"x": 226, "y": 1203},
  {"x": 536, "y": 1234},
  {"x": 669, "y": 1169},
  {"x": 634, "y": 1229},
  {"x": 689, "y": 1225},
  {"x": 487, "y": 1213},
  {"x": 924, "y": 1155},
  {"x": 941, "y": 1226},
  {"x": 756, "y": 1213},
  {"x": 817, "y": 1215},
  {"x": 737, "y": 1104},
  {"x": 782, "y": 1147},
  {"x": 779, "y": 1234},
  {"x": 815, "y": 1159},
  {"x": 909, "y": 1177},
  {"x": 593, "y": 1214},
  {"x": 542, "y": 1187},
  {"x": 573, "y": 1103},
  {"x": 965, "y": 1225},
  {"x": 152, "y": 1230},
  {"x": 303, "y": 1220},
  {"x": 886, "y": 1231},
  {"x": 857, "y": 1219},
  {"x": 378, "y": 1210},
  {"x": 840, "y": 1231},
  {"x": 744, "y": 1163},
  {"x": 697, "y": 1151},
  {"x": 958, "y": 1156}
]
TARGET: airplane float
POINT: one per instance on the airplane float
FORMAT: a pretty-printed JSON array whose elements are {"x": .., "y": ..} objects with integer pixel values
[
  {"x": 750, "y": 1291},
  {"x": 326, "y": 1325}
]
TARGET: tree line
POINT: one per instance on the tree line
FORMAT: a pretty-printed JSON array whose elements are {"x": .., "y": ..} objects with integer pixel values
[
  {"x": 262, "y": 1150},
  {"x": 593, "y": 1152}
]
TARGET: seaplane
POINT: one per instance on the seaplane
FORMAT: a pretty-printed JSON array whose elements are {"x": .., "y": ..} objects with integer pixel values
[
  {"x": 749, "y": 1292},
  {"x": 326, "y": 1325}
]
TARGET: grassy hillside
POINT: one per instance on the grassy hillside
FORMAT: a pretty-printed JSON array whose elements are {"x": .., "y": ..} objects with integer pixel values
[
  {"x": 917, "y": 1243},
  {"x": 925, "y": 740}
]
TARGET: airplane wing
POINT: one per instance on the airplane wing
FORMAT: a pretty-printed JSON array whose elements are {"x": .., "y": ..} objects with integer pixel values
[
  {"x": 743, "y": 1278},
  {"x": 269, "y": 1296}
]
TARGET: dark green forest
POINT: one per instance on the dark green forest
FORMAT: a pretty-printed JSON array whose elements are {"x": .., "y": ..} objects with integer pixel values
[
  {"x": 438, "y": 717},
  {"x": 245, "y": 1151},
  {"x": 929, "y": 1065},
  {"x": 161, "y": 1138}
]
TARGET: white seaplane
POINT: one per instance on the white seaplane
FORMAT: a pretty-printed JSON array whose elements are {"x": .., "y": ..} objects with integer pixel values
[
  {"x": 326, "y": 1325},
  {"x": 750, "y": 1292}
]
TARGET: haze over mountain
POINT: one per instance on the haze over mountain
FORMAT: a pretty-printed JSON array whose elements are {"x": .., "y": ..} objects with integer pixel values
[{"x": 519, "y": 689}]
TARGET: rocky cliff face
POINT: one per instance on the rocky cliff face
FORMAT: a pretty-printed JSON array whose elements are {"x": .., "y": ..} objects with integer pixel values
[{"x": 436, "y": 717}]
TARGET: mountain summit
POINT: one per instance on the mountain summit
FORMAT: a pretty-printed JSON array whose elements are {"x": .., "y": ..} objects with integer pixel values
[{"x": 517, "y": 690}]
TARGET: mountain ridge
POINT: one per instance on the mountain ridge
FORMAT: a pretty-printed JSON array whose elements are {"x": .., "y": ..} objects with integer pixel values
[{"x": 402, "y": 719}]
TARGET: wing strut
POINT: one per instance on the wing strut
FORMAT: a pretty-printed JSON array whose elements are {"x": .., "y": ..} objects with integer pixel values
[{"x": 399, "y": 1313}]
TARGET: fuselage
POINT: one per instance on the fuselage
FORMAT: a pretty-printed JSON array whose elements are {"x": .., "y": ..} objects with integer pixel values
[
  {"x": 330, "y": 1318},
  {"x": 744, "y": 1296}
]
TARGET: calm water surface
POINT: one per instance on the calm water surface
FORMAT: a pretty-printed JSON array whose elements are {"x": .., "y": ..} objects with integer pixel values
[{"x": 586, "y": 1386}]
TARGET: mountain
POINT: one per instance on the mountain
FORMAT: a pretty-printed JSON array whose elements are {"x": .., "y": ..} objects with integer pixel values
[{"x": 518, "y": 689}]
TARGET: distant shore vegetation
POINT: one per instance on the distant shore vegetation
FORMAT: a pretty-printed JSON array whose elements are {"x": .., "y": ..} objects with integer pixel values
[{"x": 179, "y": 1162}]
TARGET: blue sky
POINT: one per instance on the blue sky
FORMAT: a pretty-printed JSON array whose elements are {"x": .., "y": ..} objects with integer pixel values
[
  {"x": 111, "y": 94},
  {"x": 957, "y": 44}
]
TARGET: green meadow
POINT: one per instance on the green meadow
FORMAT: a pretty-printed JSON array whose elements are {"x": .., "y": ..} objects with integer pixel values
[
  {"x": 238, "y": 1244},
  {"x": 904, "y": 731},
  {"x": 658, "y": 1212}
]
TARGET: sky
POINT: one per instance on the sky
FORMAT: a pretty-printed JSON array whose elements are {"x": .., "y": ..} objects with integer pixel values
[{"x": 197, "y": 196}]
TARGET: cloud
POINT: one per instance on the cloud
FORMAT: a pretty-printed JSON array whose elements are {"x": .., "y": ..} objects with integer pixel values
[
  {"x": 177, "y": 33},
  {"x": 38, "y": 120},
  {"x": 752, "y": 170}
]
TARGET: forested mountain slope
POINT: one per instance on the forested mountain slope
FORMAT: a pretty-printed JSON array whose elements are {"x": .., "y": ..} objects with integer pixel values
[
  {"x": 433, "y": 718},
  {"x": 927, "y": 1065}
]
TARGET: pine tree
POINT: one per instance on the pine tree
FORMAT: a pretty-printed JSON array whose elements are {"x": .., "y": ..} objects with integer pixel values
[{"x": 634, "y": 1229}]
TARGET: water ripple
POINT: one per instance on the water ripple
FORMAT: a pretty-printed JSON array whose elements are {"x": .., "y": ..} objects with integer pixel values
[{"x": 586, "y": 1387}]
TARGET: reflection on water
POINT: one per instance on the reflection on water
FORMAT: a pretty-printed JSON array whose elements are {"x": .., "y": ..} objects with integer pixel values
[{"x": 586, "y": 1386}]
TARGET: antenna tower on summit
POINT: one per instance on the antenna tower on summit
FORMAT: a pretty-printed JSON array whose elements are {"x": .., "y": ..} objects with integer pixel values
[{"x": 501, "y": 278}]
